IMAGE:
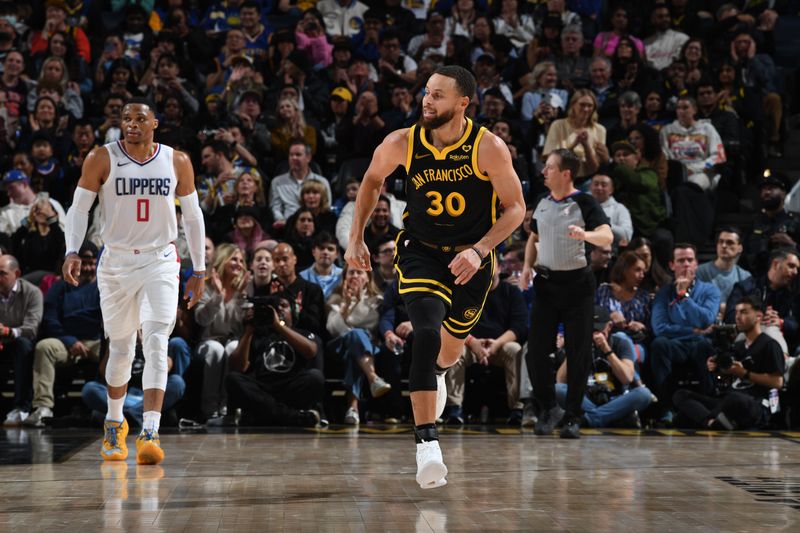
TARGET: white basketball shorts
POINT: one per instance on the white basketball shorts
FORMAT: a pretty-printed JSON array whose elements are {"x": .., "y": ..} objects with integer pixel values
[{"x": 136, "y": 287}]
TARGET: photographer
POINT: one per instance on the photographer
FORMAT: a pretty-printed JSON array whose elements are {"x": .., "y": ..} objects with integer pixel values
[
  {"x": 609, "y": 397},
  {"x": 269, "y": 379},
  {"x": 755, "y": 366}
]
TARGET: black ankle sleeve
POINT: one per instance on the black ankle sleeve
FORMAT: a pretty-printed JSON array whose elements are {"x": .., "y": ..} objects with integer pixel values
[{"x": 425, "y": 433}]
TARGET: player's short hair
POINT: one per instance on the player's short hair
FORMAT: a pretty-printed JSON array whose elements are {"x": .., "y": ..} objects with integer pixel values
[
  {"x": 139, "y": 100},
  {"x": 568, "y": 160},
  {"x": 465, "y": 81}
]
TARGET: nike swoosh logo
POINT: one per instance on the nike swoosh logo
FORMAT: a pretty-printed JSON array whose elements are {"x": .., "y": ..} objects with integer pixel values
[
  {"x": 420, "y": 156},
  {"x": 168, "y": 254},
  {"x": 123, "y": 164}
]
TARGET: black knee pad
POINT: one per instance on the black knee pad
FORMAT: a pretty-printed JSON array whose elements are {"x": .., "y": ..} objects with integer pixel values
[{"x": 426, "y": 315}]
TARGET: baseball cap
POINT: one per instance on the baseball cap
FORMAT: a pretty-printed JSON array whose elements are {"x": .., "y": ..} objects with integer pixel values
[
  {"x": 774, "y": 179},
  {"x": 343, "y": 93},
  {"x": 241, "y": 58},
  {"x": 15, "y": 175},
  {"x": 601, "y": 318},
  {"x": 623, "y": 145}
]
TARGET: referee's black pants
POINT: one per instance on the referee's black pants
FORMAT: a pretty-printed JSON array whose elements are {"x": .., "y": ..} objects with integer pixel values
[{"x": 568, "y": 298}]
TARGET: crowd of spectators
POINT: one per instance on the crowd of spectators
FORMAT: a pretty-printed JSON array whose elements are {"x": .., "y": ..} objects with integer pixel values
[{"x": 672, "y": 107}]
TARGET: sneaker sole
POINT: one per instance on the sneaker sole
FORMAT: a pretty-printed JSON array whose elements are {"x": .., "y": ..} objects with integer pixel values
[
  {"x": 436, "y": 484},
  {"x": 115, "y": 456},
  {"x": 380, "y": 392},
  {"x": 430, "y": 474},
  {"x": 149, "y": 454}
]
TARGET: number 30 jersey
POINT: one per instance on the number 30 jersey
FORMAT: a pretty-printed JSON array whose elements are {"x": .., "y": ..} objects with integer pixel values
[
  {"x": 449, "y": 201},
  {"x": 138, "y": 200}
]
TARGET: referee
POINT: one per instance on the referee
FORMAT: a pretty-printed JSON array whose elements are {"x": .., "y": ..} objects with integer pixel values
[{"x": 563, "y": 221}]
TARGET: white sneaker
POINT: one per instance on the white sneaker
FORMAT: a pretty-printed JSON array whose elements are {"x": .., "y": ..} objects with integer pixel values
[
  {"x": 351, "y": 417},
  {"x": 16, "y": 417},
  {"x": 379, "y": 387},
  {"x": 431, "y": 470},
  {"x": 36, "y": 418},
  {"x": 441, "y": 395}
]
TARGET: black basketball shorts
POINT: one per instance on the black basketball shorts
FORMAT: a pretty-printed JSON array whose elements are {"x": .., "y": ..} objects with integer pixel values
[{"x": 423, "y": 272}]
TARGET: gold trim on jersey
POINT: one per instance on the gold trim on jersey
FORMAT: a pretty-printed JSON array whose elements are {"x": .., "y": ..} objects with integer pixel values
[
  {"x": 410, "y": 147},
  {"x": 494, "y": 206},
  {"x": 447, "y": 149},
  {"x": 478, "y": 173}
]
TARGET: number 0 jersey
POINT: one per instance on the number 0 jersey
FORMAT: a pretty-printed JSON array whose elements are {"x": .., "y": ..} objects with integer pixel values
[
  {"x": 449, "y": 201},
  {"x": 138, "y": 200}
]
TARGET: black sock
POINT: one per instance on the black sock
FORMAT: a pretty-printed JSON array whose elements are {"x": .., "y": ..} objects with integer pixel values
[
  {"x": 440, "y": 370},
  {"x": 425, "y": 433}
]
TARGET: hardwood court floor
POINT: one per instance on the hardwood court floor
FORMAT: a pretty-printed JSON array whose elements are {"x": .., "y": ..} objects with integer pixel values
[{"x": 348, "y": 481}]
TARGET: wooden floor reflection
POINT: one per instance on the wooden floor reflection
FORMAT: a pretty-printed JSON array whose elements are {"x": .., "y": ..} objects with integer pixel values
[{"x": 350, "y": 482}]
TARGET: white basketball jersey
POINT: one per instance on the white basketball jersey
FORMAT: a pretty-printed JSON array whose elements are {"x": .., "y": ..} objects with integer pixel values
[{"x": 138, "y": 200}]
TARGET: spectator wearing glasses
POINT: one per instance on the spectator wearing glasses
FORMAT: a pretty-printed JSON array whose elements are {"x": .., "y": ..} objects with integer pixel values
[{"x": 383, "y": 262}]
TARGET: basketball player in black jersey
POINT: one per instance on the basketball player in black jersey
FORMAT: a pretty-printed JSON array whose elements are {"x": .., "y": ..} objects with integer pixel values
[{"x": 458, "y": 175}]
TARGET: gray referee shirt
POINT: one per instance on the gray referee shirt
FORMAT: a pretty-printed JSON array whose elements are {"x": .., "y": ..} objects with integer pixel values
[{"x": 551, "y": 220}]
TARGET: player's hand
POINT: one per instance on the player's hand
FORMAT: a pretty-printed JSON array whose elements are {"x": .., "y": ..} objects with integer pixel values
[
  {"x": 464, "y": 265},
  {"x": 194, "y": 289},
  {"x": 576, "y": 232},
  {"x": 357, "y": 255},
  {"x": 71, "y": 269}
]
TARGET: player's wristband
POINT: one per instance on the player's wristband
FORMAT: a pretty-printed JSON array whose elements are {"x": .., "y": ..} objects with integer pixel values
[
  {"x": 199, "y": 275},
  {"x": 474, "y": 249}
]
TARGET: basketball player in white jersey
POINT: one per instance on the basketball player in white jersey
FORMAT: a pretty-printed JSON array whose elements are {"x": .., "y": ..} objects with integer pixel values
[{"x": 138, "y": 272}]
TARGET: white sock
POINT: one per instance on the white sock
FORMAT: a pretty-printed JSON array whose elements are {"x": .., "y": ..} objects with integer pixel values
[
  {"x": 115, "y": 409},
  {"x": 152, "y": 419}
]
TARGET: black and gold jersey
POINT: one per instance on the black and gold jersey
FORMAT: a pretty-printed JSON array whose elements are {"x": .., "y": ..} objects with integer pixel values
[{"x": 450, "y": 202}]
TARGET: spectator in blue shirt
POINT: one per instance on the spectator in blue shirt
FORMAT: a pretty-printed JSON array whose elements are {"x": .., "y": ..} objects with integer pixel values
[
  {"x": 324, "y": 271},
  {"x": 683, "y": 312}
]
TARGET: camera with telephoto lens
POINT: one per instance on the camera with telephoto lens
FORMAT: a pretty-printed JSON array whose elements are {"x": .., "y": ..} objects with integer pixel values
[
  {"x": 263, "y": 307},
  {"x": 724, "y": 336}
]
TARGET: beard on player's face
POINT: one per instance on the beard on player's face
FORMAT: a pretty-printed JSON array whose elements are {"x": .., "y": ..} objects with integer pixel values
[{"x": 437, "y": 121}]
